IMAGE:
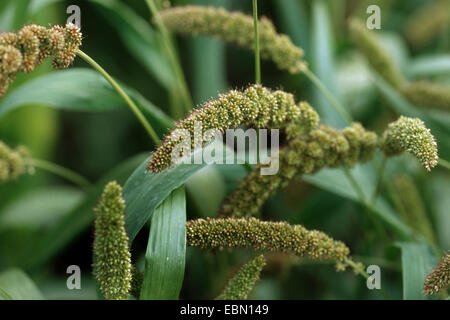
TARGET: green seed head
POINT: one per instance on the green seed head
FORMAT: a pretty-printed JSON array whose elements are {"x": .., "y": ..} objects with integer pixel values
[
  {"x": 31, "y": 45},
  {"x": 410, "y": 135},
  {"x": 237, "y": 28},
  {"x": 241, "y": 285},
  {"x": 428, "y": 95},
  {"x": 12, "y": 162},
  {"x": 264, "y": 236},
  {"x": 256, "y": 106},
  {"x": 112, "y": 268}
]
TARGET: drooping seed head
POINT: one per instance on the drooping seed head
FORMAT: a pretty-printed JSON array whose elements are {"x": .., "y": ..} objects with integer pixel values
[
  {"x": 256, "y": 106},
  {"x": 237, "y": 28},
  {"x": 410, "y": 135},
  {"x": 264, "y": 236}
]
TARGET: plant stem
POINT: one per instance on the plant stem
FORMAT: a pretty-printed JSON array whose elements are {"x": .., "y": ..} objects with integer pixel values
[
  {"x": 257, "y": 63},
  {"x": 324, "y": 90},
  {"x": 59, "y": 171},
  {"x": 257, "y": 57},
  {"x": 170, "y": 49},
  {"x": 365, "y": 275},
  {"x": 379, "y": 179},
  {"x": 151, "y": 132}
]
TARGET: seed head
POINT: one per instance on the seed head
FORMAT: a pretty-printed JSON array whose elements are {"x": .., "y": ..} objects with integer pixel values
[
  {"x": 241, "y": 285},
  {"x": 112, "y": 268},
  {"x": 237, "y": 28},
  {"x": 428, "y": 95},
  {"x": 410, "y": 135},
  {"x": 12, "y": 162},
  {"x": 31, "y": 45},
  {"x": 256, "y": 106},
  {"x": 439, "y": 278},
  {"x": 264, "y": 236}
]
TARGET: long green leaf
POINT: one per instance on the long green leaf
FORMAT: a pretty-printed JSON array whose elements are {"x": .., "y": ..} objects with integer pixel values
[
  {"x": 144, "y": 191},
  {"x": 417, "y": 261},
  {"x": 79, "y": 89},
  {"x": 335, "y": 181},
  {"x": 40, "y": 208},
  {"x": 429, "y": 65},
  {"x": 166, "y": 249},
  {"x": 16, "y": 285},
  {"x": 322, "y": 43}
]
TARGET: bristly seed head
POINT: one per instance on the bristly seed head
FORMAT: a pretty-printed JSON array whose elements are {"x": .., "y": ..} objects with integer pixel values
[
  {"x": 439, "y": 278},
  {"x": 31, "y": 45},
  {"x": 236, "y": 27},
  {"x": 411, "y": 135},
  {"x": 112, "y": 258},
  {"x": 241, "y": 285},
  {"x": 12, "y": 162},
  {"x": 264, "y": 236},
  {"x": 256, "y": 106}
]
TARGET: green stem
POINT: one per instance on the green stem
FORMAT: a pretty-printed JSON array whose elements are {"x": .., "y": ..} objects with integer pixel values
[
  {"x": 257, "y": 63},
  {"x": 324, "y": 90},
  {"x": 257, "y": 58},
  {"x": 151, "y": 132},
  {"x": 365, "y": 275},
  {"x": 170, "y": 49},
  {"x": 379, "y": 179},
  {"x": 59, "y": 171}
]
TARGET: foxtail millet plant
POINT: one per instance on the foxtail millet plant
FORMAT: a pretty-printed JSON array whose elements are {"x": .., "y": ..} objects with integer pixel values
[
  {"x": 31, "y": 45},
  {"x": 238, "y": 28},
  {"x": 112, "y": 258},
  {"x": 439, "y": 279},
  {"x": 241, "y": 285}
]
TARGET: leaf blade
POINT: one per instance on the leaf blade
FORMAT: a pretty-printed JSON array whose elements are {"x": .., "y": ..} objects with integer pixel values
[{"x": 166, "y": 249}]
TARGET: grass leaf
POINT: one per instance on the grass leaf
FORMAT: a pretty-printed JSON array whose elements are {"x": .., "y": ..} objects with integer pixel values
[
  {"x": 16, "y": 285},
  {"x": 417, "y": 262},
  {"x": 79, "y": 89},
  {"x": 144, "y": 191},
  {"x": 322, "y": 44},
  {"x": 166, "y": 249}
]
